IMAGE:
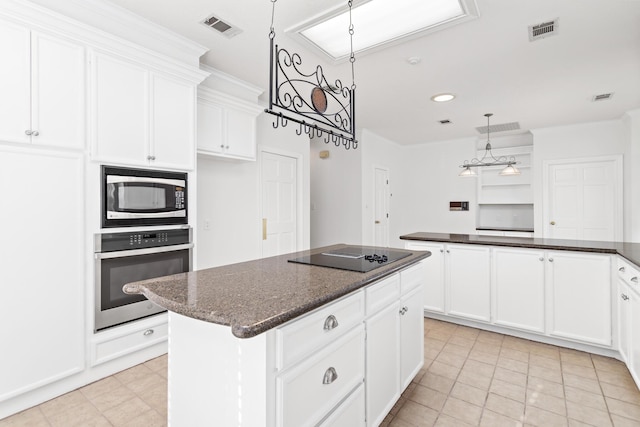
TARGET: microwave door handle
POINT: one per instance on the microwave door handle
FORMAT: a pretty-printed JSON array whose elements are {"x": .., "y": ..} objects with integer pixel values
[
  {"x": 145, "y": 251},
  {"x": 116, "y": 179}
]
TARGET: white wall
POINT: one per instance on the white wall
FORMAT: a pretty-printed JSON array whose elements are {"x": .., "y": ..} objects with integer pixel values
[
  {"x": 229, "y": 197},
  {"x": 569, "y": 142},
  {"x": 335, "y": 194},
  {"x": 631, "y": 124},
  {"x": 431, "y": 181}
]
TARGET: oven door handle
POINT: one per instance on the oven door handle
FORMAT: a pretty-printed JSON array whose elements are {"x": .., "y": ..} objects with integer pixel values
[{"x": 145, "y": 251}]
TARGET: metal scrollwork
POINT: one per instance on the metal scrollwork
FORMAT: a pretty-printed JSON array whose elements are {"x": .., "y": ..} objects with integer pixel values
[{"x": 329, "y": 108}]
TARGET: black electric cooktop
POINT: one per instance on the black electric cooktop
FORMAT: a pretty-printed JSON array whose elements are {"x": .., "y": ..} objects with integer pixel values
[{"x": 353, "y": 258}]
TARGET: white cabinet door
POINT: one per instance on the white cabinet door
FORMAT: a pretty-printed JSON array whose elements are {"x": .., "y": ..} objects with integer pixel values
[
  {"x": 383, "y": 362},
  {"x": 469, "y": 281},
  {"x": 172, "y": 123},
  {"x": 119, "y": 92},
  {"x": 15, "y": 82},
  {"x": 580, "y": 290},
  {"x": 625, "y": 298},
  {"x": 58, "y": 92},
  {"x": 519, "y": 288},
  {"x": 634, "y": 333},
  {"x": 411, "y": 336},
  {"x": 241, "y": 134},
  {"x": 43, "y": 288},
  {"x": 434, "y": 275},
  {"x": 210, "y": 127}
]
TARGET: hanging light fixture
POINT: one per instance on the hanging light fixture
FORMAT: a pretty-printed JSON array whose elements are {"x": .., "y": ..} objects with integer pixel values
[{"x": 488, "y": 159}]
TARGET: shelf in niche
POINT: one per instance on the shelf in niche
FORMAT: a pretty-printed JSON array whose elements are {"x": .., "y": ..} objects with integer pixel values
[{"x": 506, "y": 185}]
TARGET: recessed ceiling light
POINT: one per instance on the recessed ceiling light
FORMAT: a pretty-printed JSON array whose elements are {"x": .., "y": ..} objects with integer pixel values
[
  {"x": 380, "y": 22},
  {"x": 414, "y": 60},
  {"x": 443, "y": 97}
]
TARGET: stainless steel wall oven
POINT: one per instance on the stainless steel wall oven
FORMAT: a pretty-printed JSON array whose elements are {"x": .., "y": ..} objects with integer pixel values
[{"x": 126, "y": 257}]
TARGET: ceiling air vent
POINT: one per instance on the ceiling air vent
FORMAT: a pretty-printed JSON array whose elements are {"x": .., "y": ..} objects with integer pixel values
[
  {"x": 602, "y": 97},
  {"x": 222, "y": 27},
  {"x": 444, "y": 122},
  {"x": 545, "y": 29},
  {"x": 503, "y": 127}
]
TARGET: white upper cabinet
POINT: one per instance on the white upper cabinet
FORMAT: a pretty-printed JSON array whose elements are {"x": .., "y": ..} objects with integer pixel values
[
  {"x": 42, "y": 82},
  {"x": 141, "y": 117},
  {"x": 226, "y": 125}
]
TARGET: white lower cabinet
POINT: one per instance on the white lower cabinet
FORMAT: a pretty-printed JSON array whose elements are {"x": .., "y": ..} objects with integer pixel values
[
  {"x": 434, "y": 275},
  {"x": 518, "y": 288},
  {"x": 395, "y": 339},
  {"x": 350, "y": 413},
  {"x": 579, "y": 285},
  {"x": 628, "y": 298},
  {"x": 468, "y": 281}
]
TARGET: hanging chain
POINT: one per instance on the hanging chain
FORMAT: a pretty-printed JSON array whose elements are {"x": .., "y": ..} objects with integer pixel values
[
  {"x": 272, "y": 32},
  {"x": 352, "y": 57}
]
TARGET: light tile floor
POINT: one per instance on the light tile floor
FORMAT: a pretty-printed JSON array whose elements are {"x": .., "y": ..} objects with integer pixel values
[{"x": 470, "y": 377}]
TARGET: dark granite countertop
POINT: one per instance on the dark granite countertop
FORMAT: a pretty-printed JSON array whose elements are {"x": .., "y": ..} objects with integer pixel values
[
  {"x": 630, "y": 251},
  {"x": 255, "y": 296}
]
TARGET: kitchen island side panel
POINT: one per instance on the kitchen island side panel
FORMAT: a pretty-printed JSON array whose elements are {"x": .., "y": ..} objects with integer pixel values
[{"x": 216, "y": 379}]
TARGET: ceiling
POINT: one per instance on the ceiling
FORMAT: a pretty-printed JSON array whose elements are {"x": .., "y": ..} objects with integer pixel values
[{"x": 488, "y": 62}]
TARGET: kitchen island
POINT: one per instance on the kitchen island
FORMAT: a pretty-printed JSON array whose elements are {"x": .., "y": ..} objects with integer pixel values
[{"x": 271, "y": 342}]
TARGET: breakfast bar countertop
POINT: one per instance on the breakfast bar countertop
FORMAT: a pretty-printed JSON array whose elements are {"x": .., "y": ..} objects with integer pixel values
[
  {"x": 255, "y": 296},
  {"x": 629, "y": 251}
]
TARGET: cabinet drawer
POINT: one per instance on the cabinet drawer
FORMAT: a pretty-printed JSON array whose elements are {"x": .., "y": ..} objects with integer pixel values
[
  {"x": 350, "y": 413},
  {"x": 115, "y": 344},
  {"x": 302, "y": 396},
  {"x": 382, "y": 293},
  {"x": 412, "y": 277},
  {"x": 629, "y": 274},
  {"x": 316, "y": 330}
]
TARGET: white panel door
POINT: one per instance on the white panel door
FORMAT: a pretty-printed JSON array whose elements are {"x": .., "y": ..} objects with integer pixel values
[
  {"x": 172, "y": 123},
  {"x": 583, "y": 201},
  {"x": 381, "y": 207},
  {"x": 580, "y": 290},
  {"x": 519, "y": 288},
  {"x": 279, "y": 204},
  {"x": 58, "y": 92},
  {"x": 42, "y": 277},
  {"x": 120, "y": 111},
  {"x": 15, "y": 83},
  {"x": 469, "y": 281}
]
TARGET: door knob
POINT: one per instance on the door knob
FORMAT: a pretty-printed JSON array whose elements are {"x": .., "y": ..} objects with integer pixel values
[
  {"x": 377, "y": 222},
  {"x": 552, "y": 223}
]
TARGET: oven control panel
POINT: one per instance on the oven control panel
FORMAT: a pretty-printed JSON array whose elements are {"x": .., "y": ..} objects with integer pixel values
[{"x": 109, "y": 242}]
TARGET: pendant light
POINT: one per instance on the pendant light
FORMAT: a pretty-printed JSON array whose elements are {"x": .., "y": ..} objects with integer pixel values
[{"x": 488, "y": 159}]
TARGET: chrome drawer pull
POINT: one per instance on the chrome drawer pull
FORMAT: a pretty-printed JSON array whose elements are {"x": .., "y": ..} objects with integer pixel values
[
  {"x": 622, "y": 269},
  {"x": 634, "y": 279},
  {"x": 330, "y": 323},
  {"x": 403, "y": 310},
  {"x": 330, "y": 376},
  {"x": 148, "y": 332},
  {"x": 624, "y": 297}
]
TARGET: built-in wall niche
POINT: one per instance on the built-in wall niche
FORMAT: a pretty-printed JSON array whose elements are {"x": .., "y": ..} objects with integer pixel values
[
  {"x": 505, "y": 217},
  {"x": 494, "y": 188}
]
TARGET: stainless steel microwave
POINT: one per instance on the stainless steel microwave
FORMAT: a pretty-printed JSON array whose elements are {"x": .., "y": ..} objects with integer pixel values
[{"x": 139, "y": 197}]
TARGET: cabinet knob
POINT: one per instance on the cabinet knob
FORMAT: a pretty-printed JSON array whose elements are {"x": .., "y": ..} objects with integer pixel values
[
  {"x": 148, "y": 332},
  {"x": 634, "y": 279},
  {"x": 541, "y": 258},
  {"x": 35, "y": 133},
  {"x": 441, "y": 250},
  {"x": 28, "y": 132},
  {"x": 376, "y": 222},
  {"x": 624, "y": 297},
  {"x": 226, "y": 147},
  {"x": 552, "y": 223},
  {"x": 151, "y": 157},
  {"x": 448, "y": 251},
  {"x": 330, "y": 376},
  {"x": 403, "y": 310},
  {"x": 622, "y": 269},
  {"x": 221, "y": 145},
  {"x": 330, "y": 323},
  {"x": 550, "y": 259}
]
